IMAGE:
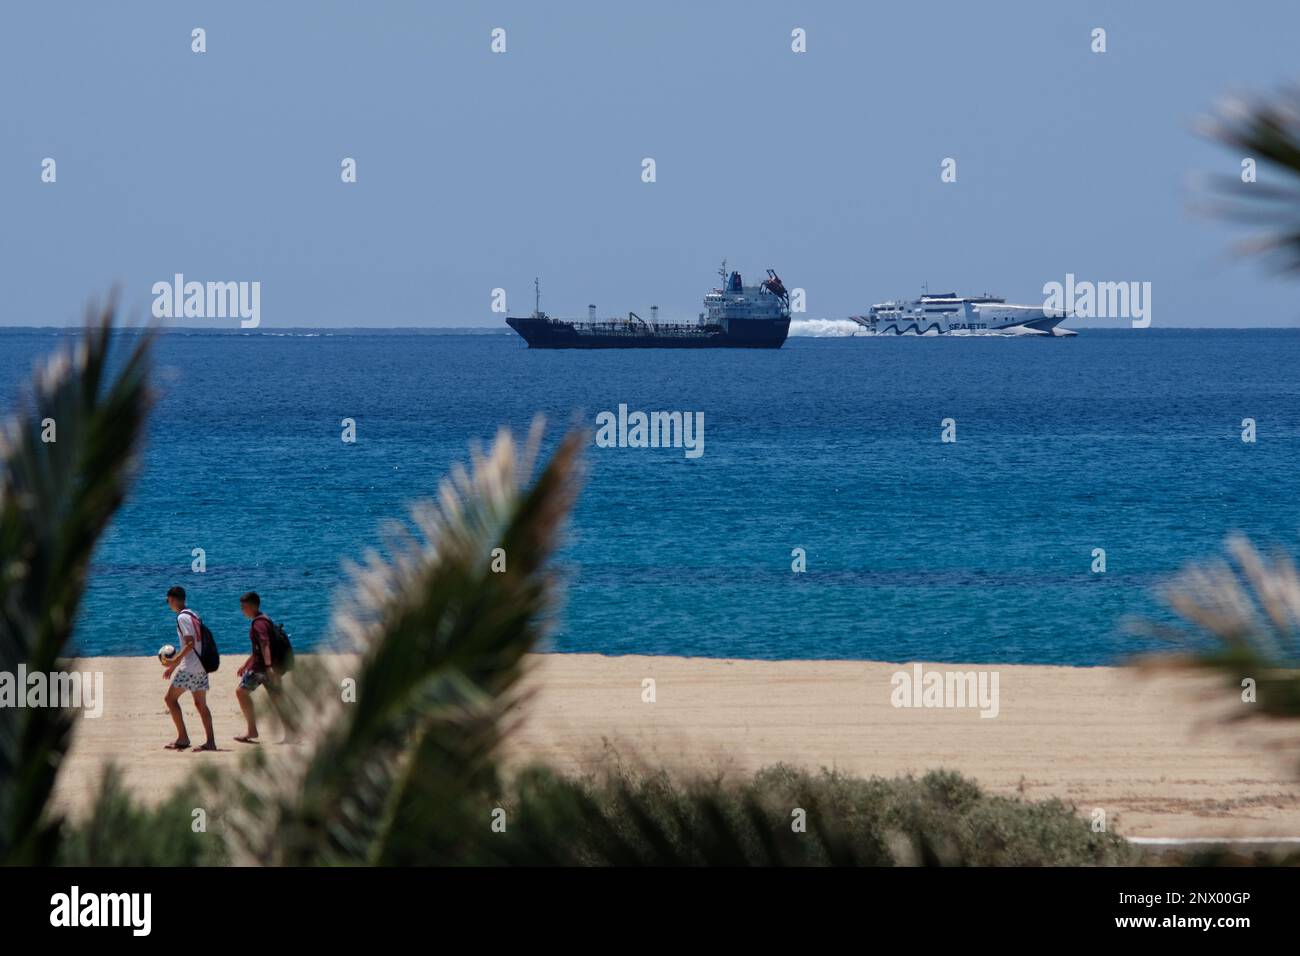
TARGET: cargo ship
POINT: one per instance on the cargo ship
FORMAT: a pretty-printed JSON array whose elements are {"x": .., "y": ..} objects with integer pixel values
[{"x": 735, "y": 316}]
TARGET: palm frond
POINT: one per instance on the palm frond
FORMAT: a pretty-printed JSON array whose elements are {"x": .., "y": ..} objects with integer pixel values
[
  {"x": 441, "y": 639},
  {"x": 1242, "y": 620},
  {"x": 56, "y": 498},
  {"x": 1267, "y": 131},
  {"x": 121, "y": 830}
]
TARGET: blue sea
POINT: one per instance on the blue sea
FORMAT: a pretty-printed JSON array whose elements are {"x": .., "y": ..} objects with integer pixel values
[{"x": 975, "y": 551}]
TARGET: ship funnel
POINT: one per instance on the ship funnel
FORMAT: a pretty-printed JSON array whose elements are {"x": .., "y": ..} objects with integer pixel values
[
  {"x": 591, "y": 313},
  {"x": 654, "y": 314}
]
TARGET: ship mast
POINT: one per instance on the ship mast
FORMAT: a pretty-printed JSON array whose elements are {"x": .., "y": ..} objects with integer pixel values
[{"x": 537, "y": 298}]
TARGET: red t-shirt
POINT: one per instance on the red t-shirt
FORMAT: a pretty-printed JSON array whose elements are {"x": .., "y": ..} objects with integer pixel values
[{"x": 259, "y": 634}]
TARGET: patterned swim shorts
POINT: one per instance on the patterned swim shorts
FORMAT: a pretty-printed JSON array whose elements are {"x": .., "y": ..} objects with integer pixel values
[
  {"x": 189, "y": 680},
  {"x": 255, "y": 679}
]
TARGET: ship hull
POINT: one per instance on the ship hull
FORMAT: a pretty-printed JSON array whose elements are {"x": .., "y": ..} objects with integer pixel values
[{"x": 748, "y": 334}]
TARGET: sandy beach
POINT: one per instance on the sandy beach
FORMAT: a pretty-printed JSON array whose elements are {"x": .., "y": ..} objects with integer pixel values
[{"x": 1147, "y": 750}]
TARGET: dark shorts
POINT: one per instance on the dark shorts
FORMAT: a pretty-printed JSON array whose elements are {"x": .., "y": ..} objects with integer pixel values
[{"x": 255, "y": 679}]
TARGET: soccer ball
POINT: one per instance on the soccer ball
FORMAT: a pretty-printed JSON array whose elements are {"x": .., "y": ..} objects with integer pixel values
[{"x": 166, "y": 652}]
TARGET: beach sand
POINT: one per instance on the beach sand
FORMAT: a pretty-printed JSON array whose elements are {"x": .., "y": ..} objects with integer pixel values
[{"x": 1147, "y": 750}]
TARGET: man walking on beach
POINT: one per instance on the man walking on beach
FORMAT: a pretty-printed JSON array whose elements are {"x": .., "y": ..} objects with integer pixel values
[
  {"x": 187, "y": 673},
  {"x": 259, "y": 670}
]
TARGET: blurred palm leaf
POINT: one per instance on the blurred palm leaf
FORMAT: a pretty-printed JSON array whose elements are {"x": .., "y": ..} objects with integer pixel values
[
  {"x": 1244, "y": 613},
  {"x": 441, "y": 639},
  {"x": 56, "y": 498},
  {"x": 1241, "y": 621},
  {"x": 1269, "y": 133}
]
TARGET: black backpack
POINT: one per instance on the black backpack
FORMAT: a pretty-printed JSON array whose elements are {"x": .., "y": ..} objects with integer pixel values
[
  {"x": 209, "y": 655},
  {"x": 281, "y": 649}
]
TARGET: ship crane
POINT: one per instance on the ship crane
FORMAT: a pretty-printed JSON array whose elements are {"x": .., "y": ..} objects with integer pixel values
[{"x": 774, "y": 285}]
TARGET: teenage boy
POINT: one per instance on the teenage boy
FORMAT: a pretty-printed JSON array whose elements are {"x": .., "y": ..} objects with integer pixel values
[
  {"x": 187, "y": 673},
  {"x": 259, "y": 669}
]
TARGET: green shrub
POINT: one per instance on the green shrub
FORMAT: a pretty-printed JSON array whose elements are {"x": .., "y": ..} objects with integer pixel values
[{"x": 120, "y": 831}]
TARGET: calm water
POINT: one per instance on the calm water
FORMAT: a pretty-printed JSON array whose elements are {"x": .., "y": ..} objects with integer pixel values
[{"x": 974, "y": 551}]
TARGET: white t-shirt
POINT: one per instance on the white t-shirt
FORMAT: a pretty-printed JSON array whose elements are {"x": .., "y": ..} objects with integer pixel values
[{"x": 187, "y": 625}]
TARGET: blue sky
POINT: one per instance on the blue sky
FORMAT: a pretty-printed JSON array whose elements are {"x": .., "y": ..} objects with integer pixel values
[{"x": 479, "y": 170}]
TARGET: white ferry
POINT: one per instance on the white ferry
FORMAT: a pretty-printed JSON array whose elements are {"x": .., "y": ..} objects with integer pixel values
[{"x": 947, "y": 313}]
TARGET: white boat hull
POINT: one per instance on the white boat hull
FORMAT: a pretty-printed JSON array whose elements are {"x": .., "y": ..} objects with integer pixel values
[{"x": 961, "y": 318}]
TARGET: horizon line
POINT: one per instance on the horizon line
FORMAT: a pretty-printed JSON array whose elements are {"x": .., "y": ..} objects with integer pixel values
[{"x": 503, "y": 328}]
